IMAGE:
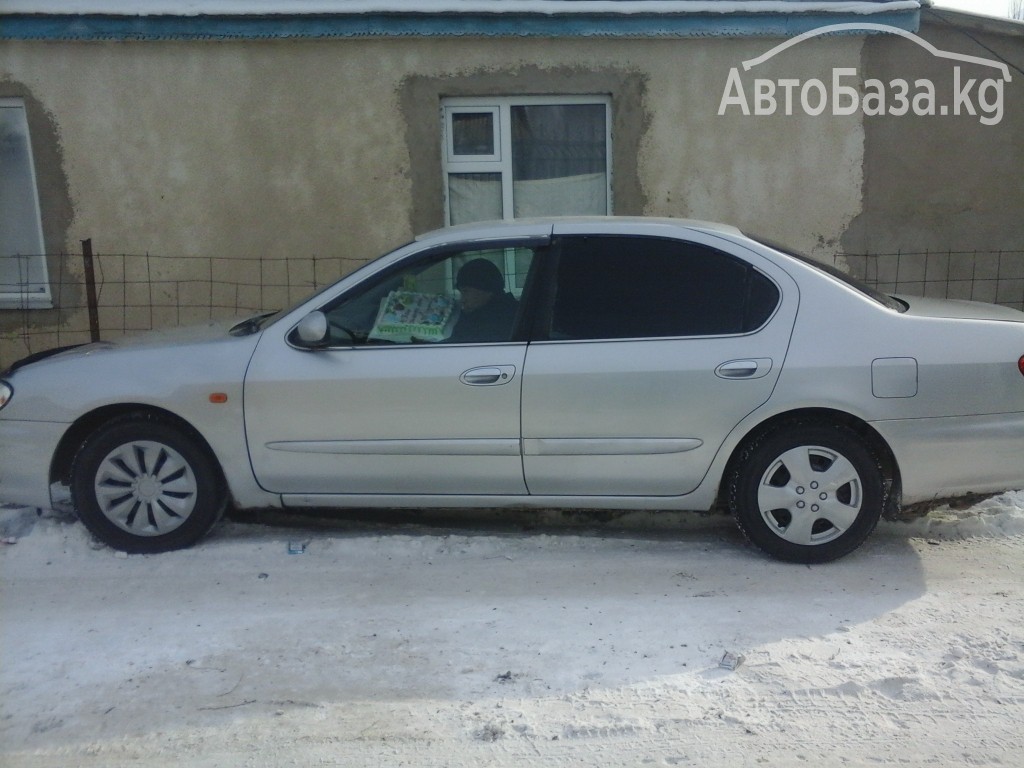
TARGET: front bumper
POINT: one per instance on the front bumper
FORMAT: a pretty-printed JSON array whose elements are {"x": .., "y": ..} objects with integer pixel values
[{"x": 26, "y": 452}]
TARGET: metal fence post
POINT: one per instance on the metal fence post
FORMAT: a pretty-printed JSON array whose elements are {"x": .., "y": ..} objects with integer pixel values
[{"x": 90, "y": 291}]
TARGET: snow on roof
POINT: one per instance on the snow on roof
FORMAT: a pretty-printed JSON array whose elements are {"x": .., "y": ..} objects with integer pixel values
[{"x": 545, "y": 7}]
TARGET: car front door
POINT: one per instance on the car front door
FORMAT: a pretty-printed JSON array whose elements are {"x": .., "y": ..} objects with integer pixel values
[
  {"x": 652, "y": 351},
  {"x": 403, "y": 395}
]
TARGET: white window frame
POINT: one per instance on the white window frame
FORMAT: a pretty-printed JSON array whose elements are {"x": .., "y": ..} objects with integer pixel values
[
  {"x": 22, "y": 299},
  {"x": 501, "y": 106},
  {"x": 496, "y": 120}
]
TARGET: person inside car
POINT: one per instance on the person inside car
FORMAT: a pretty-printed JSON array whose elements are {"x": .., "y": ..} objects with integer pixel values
[{"x": 488, "y": 311}]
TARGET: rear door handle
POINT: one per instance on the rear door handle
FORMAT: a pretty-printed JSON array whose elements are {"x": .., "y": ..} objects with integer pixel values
[
  {"x": 751, "y": 368},
  {"x": 488, "y": 375}
]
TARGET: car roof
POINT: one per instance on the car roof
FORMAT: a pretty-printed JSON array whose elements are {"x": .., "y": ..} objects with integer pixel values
[{"x": 540, "y": 227}]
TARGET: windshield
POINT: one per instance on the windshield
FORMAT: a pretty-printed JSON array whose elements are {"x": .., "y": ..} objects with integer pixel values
[{"x": 882, "y": 298}]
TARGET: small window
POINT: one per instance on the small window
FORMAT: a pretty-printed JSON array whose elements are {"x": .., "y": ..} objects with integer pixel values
[
  {"x": 23, "y": 278},
  {"x": 530, "y": 156},
  {"x": 473, "y": 135},
  {"x": 470, "y": 296},
  {"x": 635, "y": 287}
]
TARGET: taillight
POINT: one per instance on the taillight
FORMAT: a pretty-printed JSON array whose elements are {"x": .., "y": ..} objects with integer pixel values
[{"x": 1020, "y": 366}]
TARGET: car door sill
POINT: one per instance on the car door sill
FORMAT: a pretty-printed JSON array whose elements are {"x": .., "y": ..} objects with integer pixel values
[{"x": 489, "y": 501}]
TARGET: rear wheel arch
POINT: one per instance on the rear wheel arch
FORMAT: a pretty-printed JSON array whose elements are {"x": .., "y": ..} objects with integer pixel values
[{"x": 822, "y": 417}]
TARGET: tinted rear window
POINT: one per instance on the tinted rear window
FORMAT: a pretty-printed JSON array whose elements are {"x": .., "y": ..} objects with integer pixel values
[
  {"x": 640, "y": 287},
  {"x": 882, "y": 298}
]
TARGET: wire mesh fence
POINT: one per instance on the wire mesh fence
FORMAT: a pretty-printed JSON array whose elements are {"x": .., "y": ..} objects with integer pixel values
[
  {"x": 996, "y": 277},
  {"x": 141, "y": 292},
  {"x": 135, "y": 293}
]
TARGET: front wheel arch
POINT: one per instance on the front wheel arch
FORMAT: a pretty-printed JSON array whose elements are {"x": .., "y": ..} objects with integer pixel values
[
  {"x": 177, "y": 478},
  {"x": 79, "y": 431}
]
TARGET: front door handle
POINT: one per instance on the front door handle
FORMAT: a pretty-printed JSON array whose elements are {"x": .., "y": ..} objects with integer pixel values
[
  {"x": 751, "y": 368},
  {"x": 488, "y": 375}
]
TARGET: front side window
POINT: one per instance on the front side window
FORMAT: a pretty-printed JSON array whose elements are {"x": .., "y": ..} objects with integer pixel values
[
  {"x": 520, "y": 157},
  {"x": 23, "y": 277},
  {"x": 613, "y": 287},
  {"x": 469, "y": 296}
]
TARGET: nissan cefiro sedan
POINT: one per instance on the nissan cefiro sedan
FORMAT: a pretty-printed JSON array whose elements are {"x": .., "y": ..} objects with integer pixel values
[{"x": 611, "y": 363}]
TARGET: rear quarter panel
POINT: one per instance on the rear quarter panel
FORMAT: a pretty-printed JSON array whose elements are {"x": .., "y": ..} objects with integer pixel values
[{"x": 961, "y": 431}]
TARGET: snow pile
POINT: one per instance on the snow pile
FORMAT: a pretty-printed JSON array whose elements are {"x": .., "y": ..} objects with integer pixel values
[{"x": 1001, "y": 515}]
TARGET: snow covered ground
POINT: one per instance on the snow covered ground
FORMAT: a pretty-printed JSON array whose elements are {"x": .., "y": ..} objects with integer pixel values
[{"x": 484, "y": 645}]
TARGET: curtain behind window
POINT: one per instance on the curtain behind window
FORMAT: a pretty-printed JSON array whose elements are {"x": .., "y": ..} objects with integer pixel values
[
  {"x": 474, "y": 197},
  {"x": 558, "y": 164},
  {"x": 559, "y": 160}
]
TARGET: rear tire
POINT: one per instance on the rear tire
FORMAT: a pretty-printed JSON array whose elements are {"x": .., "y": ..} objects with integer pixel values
[
  {"x": 807, "y": 493},
  {"x": 142, "y": 485}
]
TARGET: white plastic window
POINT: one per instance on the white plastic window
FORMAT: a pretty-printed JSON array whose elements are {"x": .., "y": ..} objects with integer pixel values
[
  {"x": 511, "y": 157},
  {"x": 23, "y": 277}
]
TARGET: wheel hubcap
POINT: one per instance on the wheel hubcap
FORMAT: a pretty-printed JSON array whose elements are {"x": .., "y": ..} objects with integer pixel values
[
  {"x": 810, "y": 495},
  {"x": 146, "y": 488}
]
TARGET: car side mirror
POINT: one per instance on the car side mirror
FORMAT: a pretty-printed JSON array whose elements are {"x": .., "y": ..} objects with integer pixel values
[{"x": 312, "y": 329}]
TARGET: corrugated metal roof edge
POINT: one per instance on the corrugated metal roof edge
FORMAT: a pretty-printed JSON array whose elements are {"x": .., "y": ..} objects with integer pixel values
[
  {"x": 434, "y": 7},
  {"x": 213, "y": 27}
]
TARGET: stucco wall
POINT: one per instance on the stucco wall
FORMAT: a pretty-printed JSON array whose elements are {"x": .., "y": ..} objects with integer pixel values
[
  {"x": 304, "y": 147},
  {"x": 796, "y": 178},
  {"x": 332, "y": 148},
  {"x": 945, "y": 182}
]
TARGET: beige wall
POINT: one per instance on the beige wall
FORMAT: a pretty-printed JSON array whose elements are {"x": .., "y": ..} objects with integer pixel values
[
  {"x": 945, "y": 183},
  {"x": 331, "y": 149},
  {"x": 236, "y": 147}
]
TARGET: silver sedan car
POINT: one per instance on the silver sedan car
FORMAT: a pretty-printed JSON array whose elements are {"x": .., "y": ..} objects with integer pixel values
[{"x": 568, "y": 363}]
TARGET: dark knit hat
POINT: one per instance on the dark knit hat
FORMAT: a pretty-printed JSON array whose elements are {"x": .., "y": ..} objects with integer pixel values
[{"x": 480, "y": 274}]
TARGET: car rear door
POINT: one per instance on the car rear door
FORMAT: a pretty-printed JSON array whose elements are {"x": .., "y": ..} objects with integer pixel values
[{"x": 651, "y": 351}]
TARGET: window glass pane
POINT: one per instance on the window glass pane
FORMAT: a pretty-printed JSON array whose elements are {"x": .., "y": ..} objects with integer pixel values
[
  {"x": 466, "y": 297},
  {"x": 836, "y": 274},
  {"x": 585, "y": 195},
  {"x": 474, "y": 197},
  {"x": 553, "y": 141},
  {"x": 622, "y": 287},
  {"x": 22, "y": 264},
  {"x": 509, "y": 157},
  {"x": 522, "y": 258},
  {"x": 559, "y": 159},
  {"x": 473, "y": 133},
  {"x": 762, "y": 299}
]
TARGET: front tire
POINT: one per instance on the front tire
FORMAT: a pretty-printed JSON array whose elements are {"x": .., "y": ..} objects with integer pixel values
[
  {"x": 142, "y": 485},
  {"x": 807, "y": 493}
]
